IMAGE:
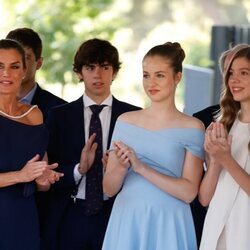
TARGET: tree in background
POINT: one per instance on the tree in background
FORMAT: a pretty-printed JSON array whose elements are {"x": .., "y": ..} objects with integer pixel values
[
  {"x": 133, "y": 26},
  {"x": 63, "y": 25}
]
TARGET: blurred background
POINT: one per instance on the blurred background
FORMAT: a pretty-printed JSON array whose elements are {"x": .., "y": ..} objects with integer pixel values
[{"x": 204, "y": 29}]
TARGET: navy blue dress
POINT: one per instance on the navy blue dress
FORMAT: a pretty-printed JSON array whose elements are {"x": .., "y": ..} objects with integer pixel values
[{"x": 18, "y": 213}]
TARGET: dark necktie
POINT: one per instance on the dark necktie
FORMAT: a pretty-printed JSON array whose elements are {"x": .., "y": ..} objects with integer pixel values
[{"x": 94, "y": 192}]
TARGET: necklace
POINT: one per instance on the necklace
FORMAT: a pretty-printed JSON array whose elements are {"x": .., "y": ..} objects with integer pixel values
[{"x": 18, "y": 116}]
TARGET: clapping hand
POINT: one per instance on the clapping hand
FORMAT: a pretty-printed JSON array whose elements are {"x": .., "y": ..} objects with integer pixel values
[
  {"x": 49, "y": 176},
  {"x": 87, "y": 155},
  {"x": 32, "y": 169},
  {"x": 217, "y": 142},
  {"x": 126, "y": 155}
]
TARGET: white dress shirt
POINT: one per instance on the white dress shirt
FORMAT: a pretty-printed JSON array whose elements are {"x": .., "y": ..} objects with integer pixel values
[{"x": 105, "y": 117}]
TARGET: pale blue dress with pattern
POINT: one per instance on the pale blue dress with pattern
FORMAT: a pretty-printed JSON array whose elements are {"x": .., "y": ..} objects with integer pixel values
[{"x": 143, "y": 216}]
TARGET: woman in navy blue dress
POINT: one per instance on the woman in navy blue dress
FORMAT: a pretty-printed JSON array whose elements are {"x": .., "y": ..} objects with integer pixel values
[{"x": 23, "y": 165}]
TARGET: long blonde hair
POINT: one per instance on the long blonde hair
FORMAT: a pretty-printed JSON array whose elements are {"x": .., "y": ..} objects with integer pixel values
[{"x": 229, "y": 108}]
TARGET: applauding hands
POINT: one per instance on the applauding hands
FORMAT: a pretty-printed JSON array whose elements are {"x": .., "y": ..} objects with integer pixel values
[{"x": 40, "y": 171}]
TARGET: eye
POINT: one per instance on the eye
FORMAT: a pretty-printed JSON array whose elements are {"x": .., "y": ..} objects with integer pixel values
[
  {"x": 89, "y": 67},
  {"x": 160, "y": 75},
  {"x": 145, "y": 76},
  {"x": 244, "y": 73},
  {"x": 105, "y": 66},
  {"x": 15, "y": 66}
]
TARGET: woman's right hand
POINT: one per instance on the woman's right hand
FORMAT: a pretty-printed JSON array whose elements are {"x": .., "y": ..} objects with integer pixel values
[{"x": 32, "y": 169}]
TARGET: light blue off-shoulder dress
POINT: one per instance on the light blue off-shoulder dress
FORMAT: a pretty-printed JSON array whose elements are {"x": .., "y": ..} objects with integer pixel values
[{"x": 143, "y": 216}]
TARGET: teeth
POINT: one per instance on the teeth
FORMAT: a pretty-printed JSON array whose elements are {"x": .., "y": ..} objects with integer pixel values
[{"x": 5, "y": 82}]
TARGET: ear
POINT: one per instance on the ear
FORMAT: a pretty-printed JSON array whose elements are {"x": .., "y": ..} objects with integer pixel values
[
  {"x": 178, "y": 77},
  {"x": 39, "y": 63},
  {"x": 114, "y": 76},
  {"x": 80, "y": 77}
]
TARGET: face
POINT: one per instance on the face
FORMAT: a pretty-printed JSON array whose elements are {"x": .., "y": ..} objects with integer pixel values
[
  {"x": 11, "y": 71},
  {"x": 32, "y": 66},
  {"x": 159, "y": 78},
  {"x": 97, "y": 80},
  {"x": 239, "y": 79}
]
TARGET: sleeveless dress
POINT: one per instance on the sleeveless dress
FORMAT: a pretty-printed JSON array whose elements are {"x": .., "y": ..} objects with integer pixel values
[
  {"x": 18, "y": 213},
  {"x": 143, "y": 216},
  {"x": 227, "y": 223}
]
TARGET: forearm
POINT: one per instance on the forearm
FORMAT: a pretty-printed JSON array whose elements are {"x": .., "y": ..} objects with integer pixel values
[
  {"x": 113, "y": 180},
  {"x": 208, "y": 184},
  {"x": 10, "y": 178},
  {"x": 180, "y": 188}
]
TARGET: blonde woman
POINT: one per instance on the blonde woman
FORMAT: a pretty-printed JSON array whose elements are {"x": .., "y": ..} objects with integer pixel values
[{"x": 226, "y": 185}]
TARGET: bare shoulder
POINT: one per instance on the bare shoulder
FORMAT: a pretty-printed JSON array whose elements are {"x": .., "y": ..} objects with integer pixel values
[
  {"x": 130, "y": 116},
  {"x": 192, "y": 122},
  {"x": 34, "y": 114}
]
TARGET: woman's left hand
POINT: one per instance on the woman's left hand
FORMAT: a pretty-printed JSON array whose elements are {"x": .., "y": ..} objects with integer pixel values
[
  {"x": 127, "y": 154},
  {"x": 49, "y": 176},
  {"x": 217, "y": 142}
]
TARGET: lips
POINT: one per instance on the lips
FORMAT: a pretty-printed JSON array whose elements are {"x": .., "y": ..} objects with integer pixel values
[
  {"x": 153, "y": 91},
  {"x": 5, "y": 82},
  {"x": 236, "y": 90},
  {"x": 98, "y": 84}
]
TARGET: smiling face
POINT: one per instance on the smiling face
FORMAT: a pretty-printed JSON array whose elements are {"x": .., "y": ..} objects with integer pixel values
[
  {"x": 239, "y": 79},
  {"x": 159, "y": 78},
  {"x": 12, "y": 71},
  {"x": 97, "y": 80}
]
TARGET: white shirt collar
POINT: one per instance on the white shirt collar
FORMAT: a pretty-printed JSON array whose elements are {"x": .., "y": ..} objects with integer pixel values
[
  {"x": 88, "y": 101},
  {"x": 28, "y": 98}
]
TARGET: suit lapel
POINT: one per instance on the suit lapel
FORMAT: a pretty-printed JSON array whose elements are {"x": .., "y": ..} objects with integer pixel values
[{"x": 78, "y": 124}]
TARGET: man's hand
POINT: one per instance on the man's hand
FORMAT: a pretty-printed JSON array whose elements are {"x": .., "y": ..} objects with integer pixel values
[{"x": 87, "y": 155}]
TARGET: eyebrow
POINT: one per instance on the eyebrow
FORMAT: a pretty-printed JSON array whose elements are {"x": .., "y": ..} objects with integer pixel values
[
  {"x": 17, "y": 62},
  {"x": 244, "y": 68}
]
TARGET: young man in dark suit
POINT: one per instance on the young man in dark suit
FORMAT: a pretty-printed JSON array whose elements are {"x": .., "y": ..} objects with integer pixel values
[
  {"x": 70, "y": 226},
  {"x": 30, "y": 91}
]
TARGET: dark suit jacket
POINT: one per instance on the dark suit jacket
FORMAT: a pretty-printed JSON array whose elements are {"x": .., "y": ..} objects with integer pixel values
[
  {"x": 199, "y": 212},
  {"x": 207, "y": 115},
  {"x": 45, "y": 100},
  {"x": 67, "y": 138}
]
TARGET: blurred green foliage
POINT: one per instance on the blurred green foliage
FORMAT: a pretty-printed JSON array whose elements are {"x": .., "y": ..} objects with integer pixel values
[{"x": 63, "y": 25}]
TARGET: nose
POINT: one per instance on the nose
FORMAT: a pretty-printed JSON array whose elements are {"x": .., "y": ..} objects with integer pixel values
[
  {"x": 5, "y": 72},
  {"x": 97, "y": 71},
  {"x": 234, "y": 78},
  {"x": 151, "y": 81}
]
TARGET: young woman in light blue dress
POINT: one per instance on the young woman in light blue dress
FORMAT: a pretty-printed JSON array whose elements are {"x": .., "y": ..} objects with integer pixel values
[{"x": 155, "y": 164}]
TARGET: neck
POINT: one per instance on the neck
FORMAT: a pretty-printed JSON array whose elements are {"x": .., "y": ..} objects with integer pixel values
[
  {"x": 244, "y": 113},
  {"x": 98, "y": 99},
  {"x": 8, "y": 104},
  {"x": 25, "y": 89},
  {"x": 163, "y": 110}
]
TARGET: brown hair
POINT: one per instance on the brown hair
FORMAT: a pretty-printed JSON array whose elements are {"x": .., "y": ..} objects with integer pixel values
[
  {"x": 171, "y": 51},
  {"x": 229, "y": 107}
]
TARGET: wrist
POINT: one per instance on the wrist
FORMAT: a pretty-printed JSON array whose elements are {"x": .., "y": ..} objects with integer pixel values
[
  {"x": 81, "y": 170},
  {"x": 139, "y": 168},
  {"x": 18, "y": 177}
]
